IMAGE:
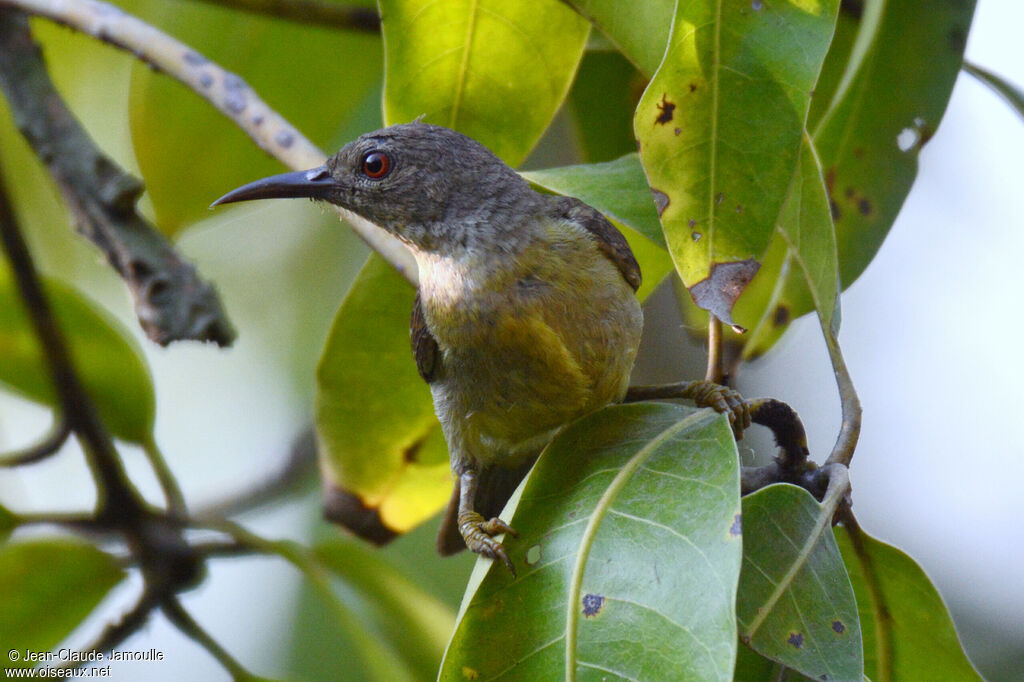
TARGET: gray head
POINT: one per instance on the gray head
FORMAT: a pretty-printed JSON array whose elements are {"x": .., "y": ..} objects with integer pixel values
[{"x": 426, "y": 184}]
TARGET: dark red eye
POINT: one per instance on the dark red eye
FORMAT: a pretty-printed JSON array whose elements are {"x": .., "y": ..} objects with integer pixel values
[{"x": 376, "y": 165}]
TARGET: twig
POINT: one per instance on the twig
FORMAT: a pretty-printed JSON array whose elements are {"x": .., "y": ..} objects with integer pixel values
[
  {"x": 116, "y": 633},
  {"x": 300, "y": 466},
  {"x": 168, "y": 483},
  {"x": 115, "y": 494},
  {"x": 46, "y": 446},
  {"x": 353, "y": 18},
  {"x": 714, "y": 371},
  {"x": 171, "y": 301},
  {"x": 172, "y": 608},
  {"x": 226, "y": 91},
  {"x": 849, "y": 432}
]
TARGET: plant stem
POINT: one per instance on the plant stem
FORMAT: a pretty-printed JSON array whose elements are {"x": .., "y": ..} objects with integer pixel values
[{"x": 43, "y": 448}]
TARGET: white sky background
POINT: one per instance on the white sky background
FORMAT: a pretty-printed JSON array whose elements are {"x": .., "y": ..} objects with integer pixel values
[{"x": 932, "y": 334}]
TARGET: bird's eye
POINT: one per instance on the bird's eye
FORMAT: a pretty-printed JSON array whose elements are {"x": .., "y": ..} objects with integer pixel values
[{"x": 376, "y": 165}]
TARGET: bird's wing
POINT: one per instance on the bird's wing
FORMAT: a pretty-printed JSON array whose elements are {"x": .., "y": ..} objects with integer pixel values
[
  {"x": 609, "y": 239},
  {"x": 424, "y": 345}
]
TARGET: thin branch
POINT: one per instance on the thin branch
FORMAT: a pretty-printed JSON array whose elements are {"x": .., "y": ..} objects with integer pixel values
[
  {"x": 171, "y": 301},
  {"x": 116, "y": 633},
  {"x": 849, "y": 432},
  {"x": 175, "y": 613},
  {"x": 297, "y": 469},
  {"x": 714, "y": 371},
  {"x": 168, "y": 483},
  {"x": 40, "y": 450},
  {"x": 314, "y": 12},
  {"x": 115, "y": 493},
  {"x": 226, "y": 91}
]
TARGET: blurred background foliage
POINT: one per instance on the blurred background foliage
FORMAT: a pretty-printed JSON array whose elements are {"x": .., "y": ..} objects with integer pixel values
[{"x": 227, "y": 418}]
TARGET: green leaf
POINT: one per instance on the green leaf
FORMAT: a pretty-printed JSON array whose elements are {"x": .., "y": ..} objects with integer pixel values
[
  {"x": 619, "y": 190},
  {"x": 109, "y": 362},
  {"x": 639, "y": 29},
  {"x": 601, "y": 105},
  {"x": 720, "y": 127},
  {"x": 494, "y": 70},
  {"x": 795, "y": 603},
  {"x": 883, "y": 114},
  {"x": 414, "y": 621},
  {"x": 908, "y": 633},
  {"x": 379, "y": 438},
  {"x": 803, "y": 260},
  {"x": 336, "y": 70},
  {"x": 628, "y": 556},
  {"x": 8, "y": 522},
  {"x": 39, "y": 575},
  {"x": 1012, "y": 94}
]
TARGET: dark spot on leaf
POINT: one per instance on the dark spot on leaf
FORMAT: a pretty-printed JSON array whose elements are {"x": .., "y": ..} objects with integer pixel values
[
  {"x": 719, "y": 198},
  {"x": 957, "y": 39},
  {"x": 592, "y": 604},
  {"x": 864, "y": 207},
  {"x": 693, "y": 87},
  {"x": 717, "y": 293},
  {"x": 284, "y": 138},
  {"x": 411, "y": 454},
  {"x": 852, "y": 8},
  {"x": 470, "y": 673},
  {"x": 666, "y": 109},
  {"x": 194, "y": 58},
  {"x": 781, "y": 316},
  {"x": 858, "y": 152},
  {"x": 836, "y": 213},
  {"x": 850, "y": 192},
  {"x": 796, "y": 639},
  {"x": 205, "y": 80},
  {"x": 695, "y": 236},
  {"x": 691, "y": 223},
  {"x": 660, "y": 200},
  {"x": 739, "y": 208},
  {"x": 736, "y": 529},
  {"x": 838, "y": 627},
  {"x": 830, "y": 179},
  {"x": 756, "y": 5},
  {"x": 926, "y": 134},
  {"x": 678, "y": 130}
]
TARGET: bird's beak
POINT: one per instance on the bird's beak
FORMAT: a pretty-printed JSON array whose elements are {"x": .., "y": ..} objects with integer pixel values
[{"x": 315, "y": 183}]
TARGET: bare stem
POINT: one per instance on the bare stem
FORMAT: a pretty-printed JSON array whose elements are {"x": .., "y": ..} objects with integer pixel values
[
  {"x": 314, "y": 12},
  {"x": 714, "y": 371},
  {"x": 175, "y": 613},
  {"x": 117, "y": 632},
  {"x": 168, "y": 483},
  {"x": 849, "y": 432},
  {"x": 46, "y": 446},
  {"x": 231, "y": 95}
]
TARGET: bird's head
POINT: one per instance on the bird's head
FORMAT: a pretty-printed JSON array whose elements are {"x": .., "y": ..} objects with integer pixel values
[{"x": 428, "y": 185}]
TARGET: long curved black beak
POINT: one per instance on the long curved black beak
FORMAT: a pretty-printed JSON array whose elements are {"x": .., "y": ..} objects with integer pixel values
[{"x": 313, "y": 184}]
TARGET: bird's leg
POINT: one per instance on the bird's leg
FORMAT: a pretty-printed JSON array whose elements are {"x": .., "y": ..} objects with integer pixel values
[
  {"x": 476, "y": 531},
  {"x": 704, "y": 393}
]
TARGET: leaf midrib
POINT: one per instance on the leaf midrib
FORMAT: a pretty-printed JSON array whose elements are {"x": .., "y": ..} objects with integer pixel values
[{"x": 460, "y": 80}]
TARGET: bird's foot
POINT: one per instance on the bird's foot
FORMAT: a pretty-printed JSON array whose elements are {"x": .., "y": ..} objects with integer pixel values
[
  {"x": 478, "y": 534},
  {"x": 724, "y": 400}
]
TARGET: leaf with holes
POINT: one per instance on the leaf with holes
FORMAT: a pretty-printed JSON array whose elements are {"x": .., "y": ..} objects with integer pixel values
[
  {"x": 619, "y": 190},
  {"x": 109, "y": 362},
  {"x": 38, "y": 575},
  {"x": 795, "y": 602},
  {"x": 883, "y": 114},
  {"x": 908, "y": 633},
  {"x": 382, "y": 455},
  {"x": 720, "y": 127},
  {"x": 496, "y": 71},
  {"x": 628, "y": 556}
]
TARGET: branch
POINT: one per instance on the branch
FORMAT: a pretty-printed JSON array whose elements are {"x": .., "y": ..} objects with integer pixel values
[
  {"x": 188, "y": 626},
  {"x": 364, "y": 19},
  {"x": 48, "y": 445},
  {"x": 171, "y": 301},
  {"x": 849, "y": 432},
  {"x": 226, "y": 91},
  {"x": 116, "y": 633}
]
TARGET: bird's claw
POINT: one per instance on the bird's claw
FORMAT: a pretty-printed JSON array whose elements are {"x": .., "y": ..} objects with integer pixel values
[
  {"x": 726, "y": 401},
  {"x": 478, "y": 536}
]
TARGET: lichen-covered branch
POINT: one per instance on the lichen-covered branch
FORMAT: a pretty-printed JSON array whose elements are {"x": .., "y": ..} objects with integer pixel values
[
  {"x": 171, "y": 301},
  {"x": 225, "y": 90}
]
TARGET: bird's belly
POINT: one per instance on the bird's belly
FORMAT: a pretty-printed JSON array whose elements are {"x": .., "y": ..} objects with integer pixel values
[{"x": 509, "y": 388}]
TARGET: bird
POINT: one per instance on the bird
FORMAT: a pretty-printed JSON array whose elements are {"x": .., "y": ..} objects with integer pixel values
[{"x": 525, "y": 317}]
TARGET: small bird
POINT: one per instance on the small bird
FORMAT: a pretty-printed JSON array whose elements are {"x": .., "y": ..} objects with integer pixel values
[{"x": 525, "y": 317}]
